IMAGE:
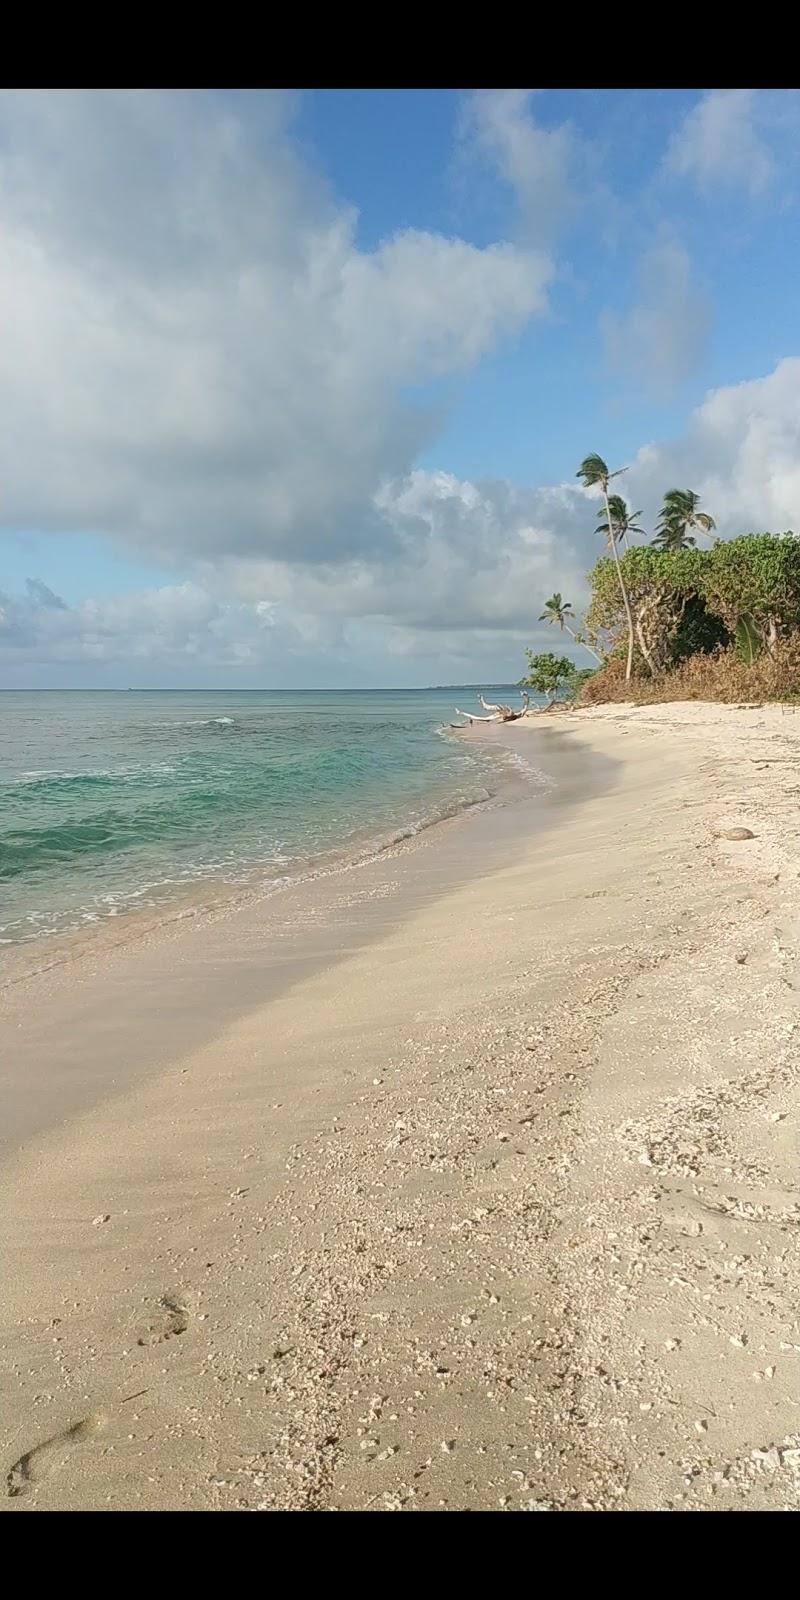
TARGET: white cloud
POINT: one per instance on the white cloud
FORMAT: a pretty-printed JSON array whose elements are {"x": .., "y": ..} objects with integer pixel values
[
  {"x": 740, "y": 452},
  {"x": 452, "y": 591},
  {"x": 197, "y": 356},
  {"x": 181, "y": 620},
  {"x": 475, "y": 562},
  {"x": 663, "y": 338},
  {"x": 465, "y": 557},
  {"x": 721, "y": 142},
  {"x": 542, "y": 166}
]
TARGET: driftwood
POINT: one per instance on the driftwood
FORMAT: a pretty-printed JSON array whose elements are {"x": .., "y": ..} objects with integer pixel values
[{"x": 497, "y": 713}]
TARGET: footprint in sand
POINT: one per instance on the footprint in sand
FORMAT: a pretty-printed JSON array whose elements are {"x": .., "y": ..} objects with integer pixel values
[
  {"x": 37, "y": 1464},
  {"x": 169, "y": 1320}
]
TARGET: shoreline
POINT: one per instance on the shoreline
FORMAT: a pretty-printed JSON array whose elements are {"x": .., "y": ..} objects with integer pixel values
[
  {"x": 179, "y": 980},
  {"x": 495, "y": 1211},
  {"x": 135, "y": 882},
  {"x": 23, "y": 958}
]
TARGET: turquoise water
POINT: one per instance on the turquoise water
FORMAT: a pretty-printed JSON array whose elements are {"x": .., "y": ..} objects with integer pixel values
[{"x": 111, "y": 802}]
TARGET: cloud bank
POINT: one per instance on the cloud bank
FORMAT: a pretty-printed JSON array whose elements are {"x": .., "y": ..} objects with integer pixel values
[
  {"x": 200, "y": 361},
  {"x": 197, "y": 357},
  {"x": 475, "y": 562}
]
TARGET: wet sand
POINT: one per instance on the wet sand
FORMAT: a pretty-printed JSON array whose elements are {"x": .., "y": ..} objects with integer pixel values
[
  {"x": 488, "y": 1199},
  {"x": 81, "y": 1019}
]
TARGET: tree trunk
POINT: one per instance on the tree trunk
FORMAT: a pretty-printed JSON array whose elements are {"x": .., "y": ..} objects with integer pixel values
[
  {"x": 622, "y": 589},
  {"x": 505, "y": 713},
  {"x": 496, "y": 713},
  {"x": 644, "y": 647}
]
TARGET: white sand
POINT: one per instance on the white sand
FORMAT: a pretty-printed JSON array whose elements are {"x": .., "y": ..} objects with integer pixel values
[{"x": 502, "y": 1210}]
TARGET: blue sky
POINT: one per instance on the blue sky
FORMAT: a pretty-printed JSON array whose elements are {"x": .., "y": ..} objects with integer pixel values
[
  {"x": 298, "y": 382},
  {"x": 394, "y": 150}
]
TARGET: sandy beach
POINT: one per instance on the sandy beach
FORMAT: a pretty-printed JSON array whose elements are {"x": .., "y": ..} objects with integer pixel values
[{"x": 485, "y": 1197}]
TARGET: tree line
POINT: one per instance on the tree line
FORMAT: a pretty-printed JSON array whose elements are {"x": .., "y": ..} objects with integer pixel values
[{"x": 656, "y": 604}]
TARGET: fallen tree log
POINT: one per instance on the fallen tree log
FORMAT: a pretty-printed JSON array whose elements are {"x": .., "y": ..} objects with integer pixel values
[{"x": 497, "y": 713}]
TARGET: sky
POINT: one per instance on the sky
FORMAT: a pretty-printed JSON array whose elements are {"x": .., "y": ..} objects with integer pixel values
[{"x": 294, "y": 386}]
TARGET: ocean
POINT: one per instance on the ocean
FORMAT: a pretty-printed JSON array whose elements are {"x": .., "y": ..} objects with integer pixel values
[{"x": 112, "y": 802}]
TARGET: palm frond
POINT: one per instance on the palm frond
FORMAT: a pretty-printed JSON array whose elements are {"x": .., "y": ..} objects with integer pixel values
[
  {"x": 593, "y": 470},
  {"x": 748, "y": 640},
  {"x": 672, "y": 536}
]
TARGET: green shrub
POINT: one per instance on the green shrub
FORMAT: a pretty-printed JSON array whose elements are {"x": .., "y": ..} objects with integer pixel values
[
  {"x": 718, "y": 624},
  {"x": 688, "y": 601},
  {"x": 660, "y": 586},
  {"x": 756, "y": 575},
  {"x": 548, "y": 674}
]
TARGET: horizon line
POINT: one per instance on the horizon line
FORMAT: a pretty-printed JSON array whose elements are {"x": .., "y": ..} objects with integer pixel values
[{"x": 398, "y": 688}]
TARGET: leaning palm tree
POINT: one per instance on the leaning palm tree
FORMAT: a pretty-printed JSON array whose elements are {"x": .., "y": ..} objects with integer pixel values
[
  {"x": 679, "y": 514},
  {"x": 594, "y": 474},
  {"x": 623, "y": 521},
  {"x": 559, "y": 611}
]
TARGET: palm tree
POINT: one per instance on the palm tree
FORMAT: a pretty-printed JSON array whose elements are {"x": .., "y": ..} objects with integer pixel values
[
  {"x": 623, "y": 521},
  {"x": 558, "y": 610},
  {"x": 671, "y": 536},
  {"x": 679, "y": 513},
  {"x": 594, "y": 474}
]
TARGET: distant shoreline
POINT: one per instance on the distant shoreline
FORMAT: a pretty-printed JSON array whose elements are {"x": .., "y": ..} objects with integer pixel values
[{"x": 426, "y": 688}]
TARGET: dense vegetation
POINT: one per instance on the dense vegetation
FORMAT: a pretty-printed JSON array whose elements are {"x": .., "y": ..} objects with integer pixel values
[{"x": 670, "y": 620}]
